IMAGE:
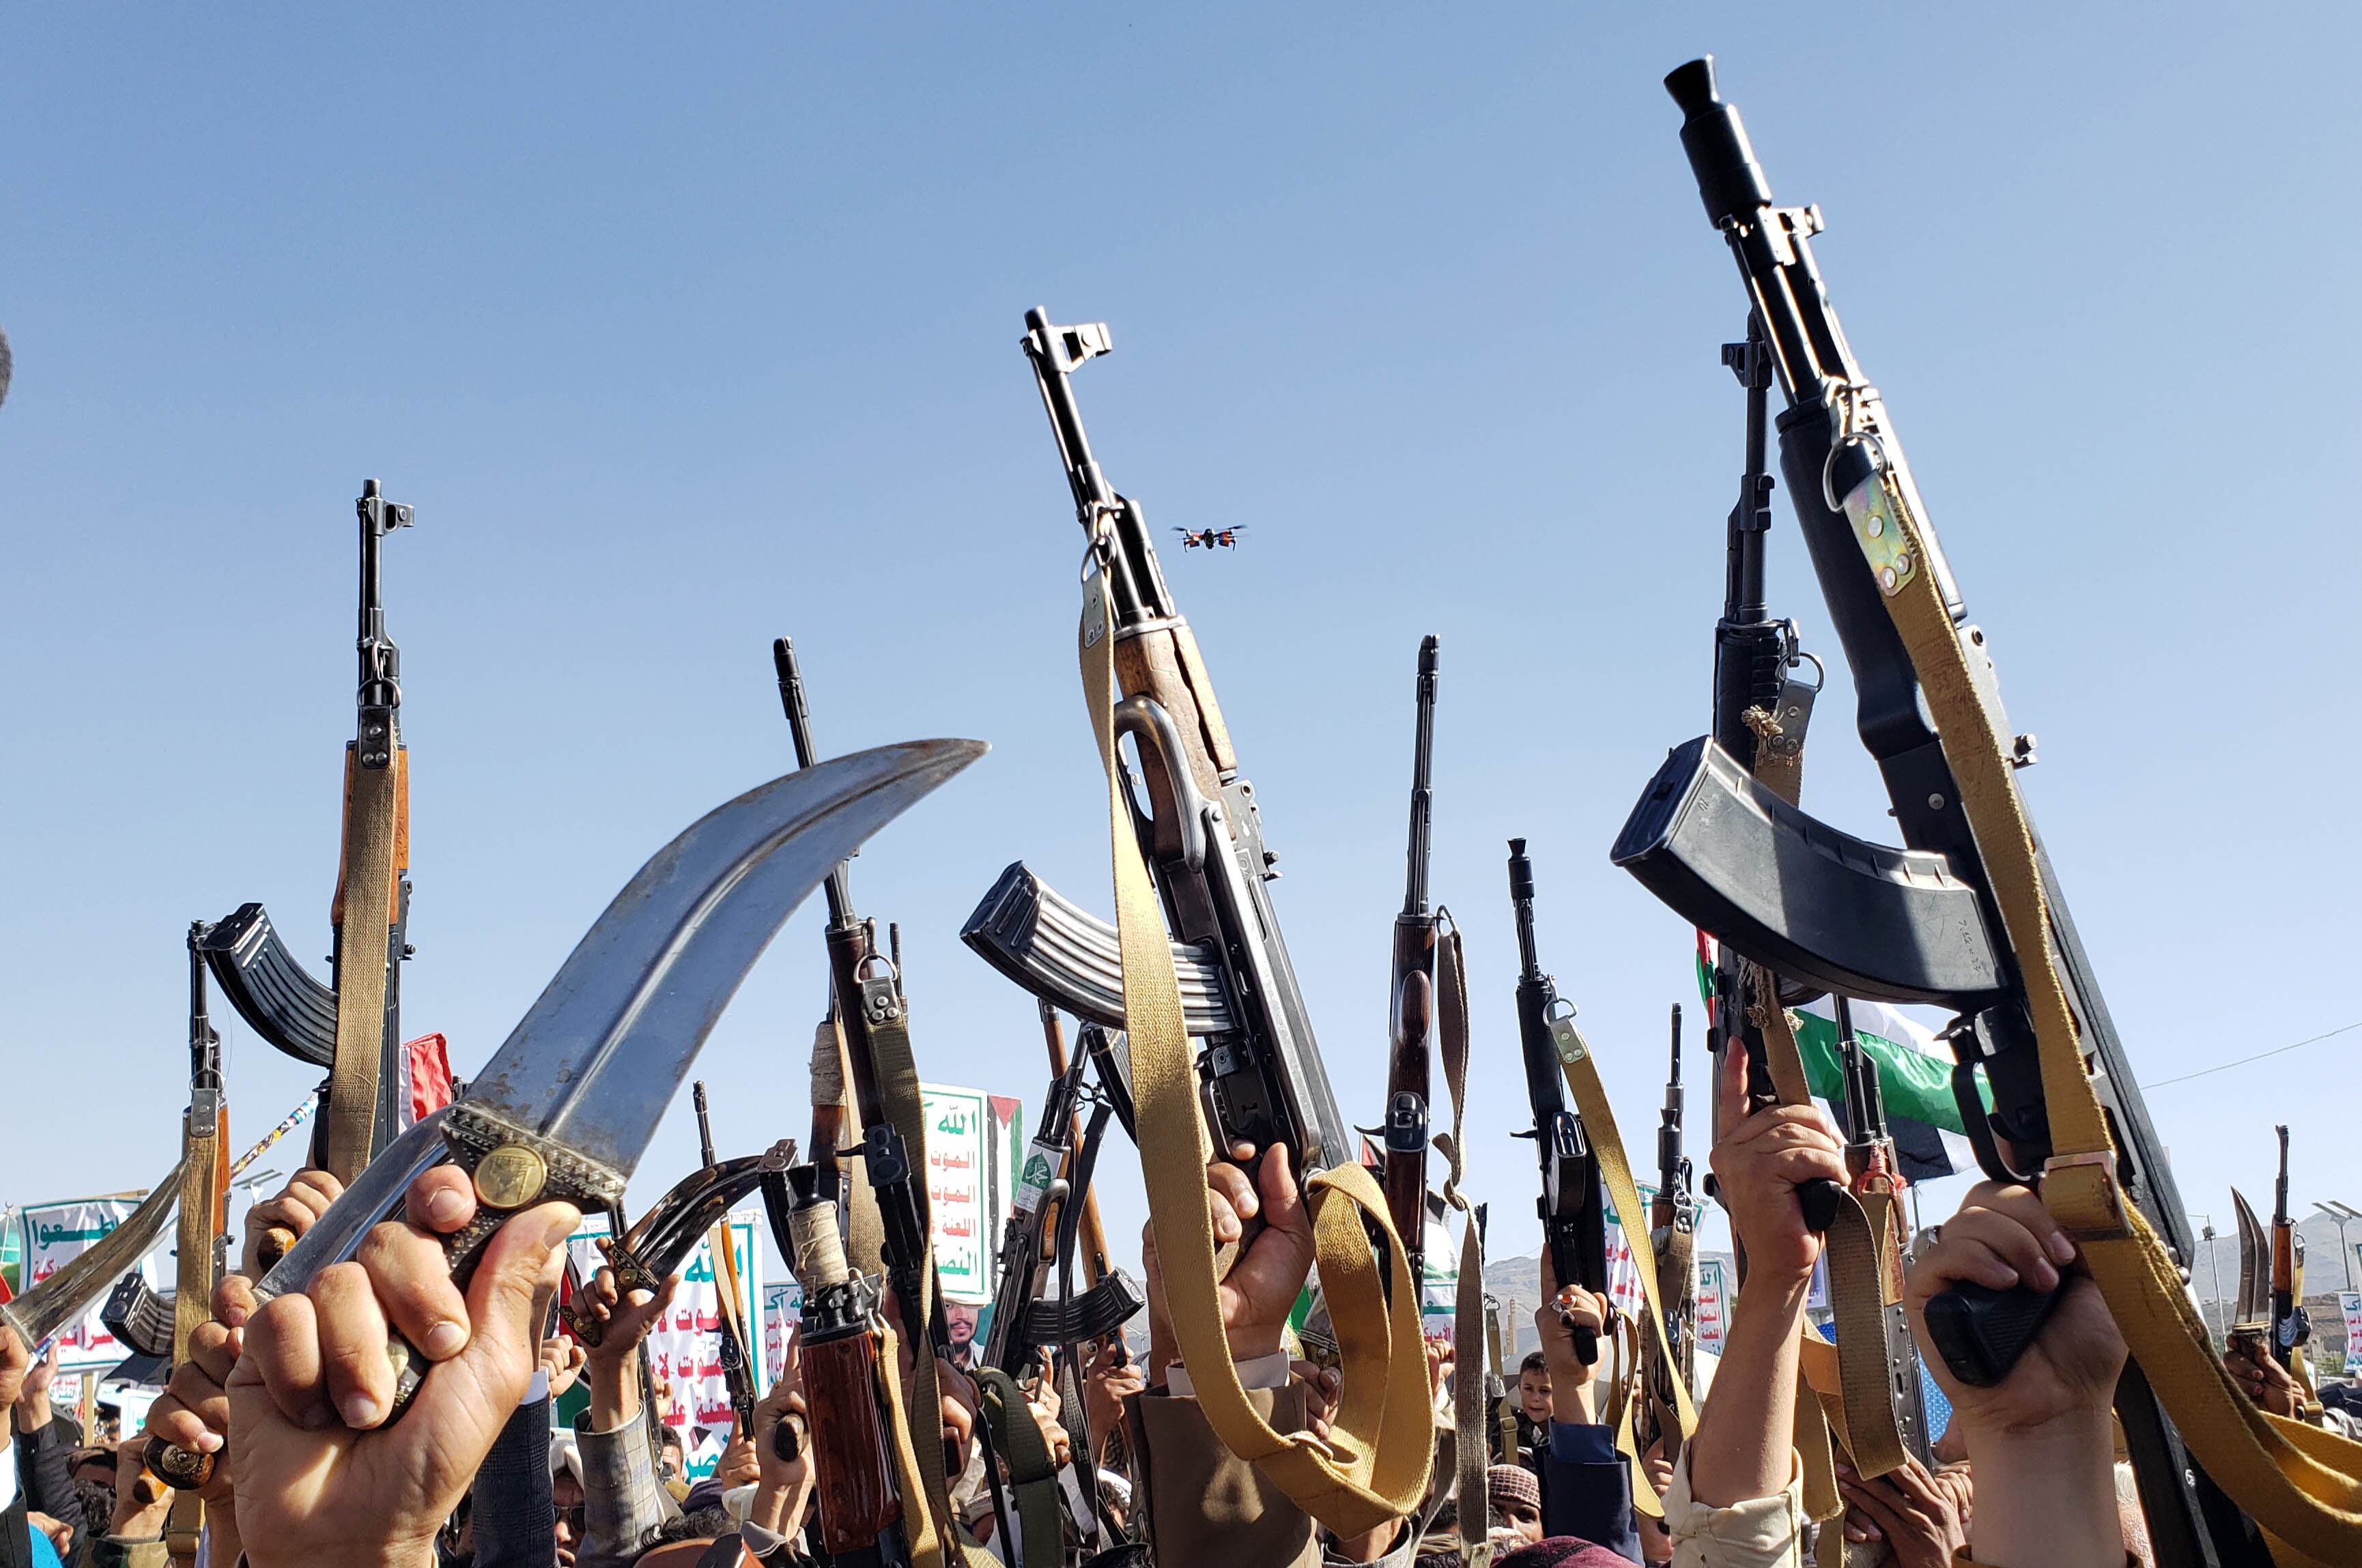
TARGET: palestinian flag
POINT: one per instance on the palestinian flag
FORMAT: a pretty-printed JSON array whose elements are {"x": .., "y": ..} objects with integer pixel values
[{"x": 1915, "y": 1075}]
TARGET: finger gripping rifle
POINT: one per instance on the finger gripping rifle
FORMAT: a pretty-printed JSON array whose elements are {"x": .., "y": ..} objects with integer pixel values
[{"x": 1572, "y": 1207}]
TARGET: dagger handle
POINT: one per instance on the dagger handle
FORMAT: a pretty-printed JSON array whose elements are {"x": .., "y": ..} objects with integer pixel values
[{"x": 275, "y": 1244}]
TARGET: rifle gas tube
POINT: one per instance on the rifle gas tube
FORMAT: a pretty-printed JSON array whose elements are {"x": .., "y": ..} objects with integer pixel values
[
  {"x": 1921, "y": 923},
  {"x": 1572, "y": 1207}
]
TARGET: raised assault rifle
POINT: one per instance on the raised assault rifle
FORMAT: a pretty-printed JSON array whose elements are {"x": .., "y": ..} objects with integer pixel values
[
  {"x": 201, "y": 1247},
  {"x": 1201, "y": 832},
  {"x": 353, "y": 1026},
  {"x": 1410, "y": 1015},
  {"x": 1573, "y": 1206},
  {"x": 1913, "y": 924},
  {"x": 1672, "y": 1236},
  {"x": 737, "y": 1361}
]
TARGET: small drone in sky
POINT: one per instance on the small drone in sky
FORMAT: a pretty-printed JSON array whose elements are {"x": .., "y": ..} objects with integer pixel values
[{"x": 1207, "y": 538}]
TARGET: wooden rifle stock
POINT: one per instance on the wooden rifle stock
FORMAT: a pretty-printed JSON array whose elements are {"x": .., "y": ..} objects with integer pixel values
[{"x": 202, "y": 1227}]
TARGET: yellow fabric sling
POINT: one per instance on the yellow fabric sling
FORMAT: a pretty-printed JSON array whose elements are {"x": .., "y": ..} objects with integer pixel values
[
  {"x": 1590, "y": 1097},
  {"x": 1468, "y": 1321},
  {"x": 2299, "y": 1482},
  {"x": 1373, "y": 1466},
  {"x": 364, "y": 903}
]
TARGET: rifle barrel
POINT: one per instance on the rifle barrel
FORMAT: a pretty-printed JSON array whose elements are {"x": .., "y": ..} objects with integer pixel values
[
  {"x": 838, "y": 887},
  {"x": 1421, "y": 785}
]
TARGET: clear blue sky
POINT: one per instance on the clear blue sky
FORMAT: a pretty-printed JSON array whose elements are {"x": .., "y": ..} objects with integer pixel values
[{"x": 682, "y": 334}]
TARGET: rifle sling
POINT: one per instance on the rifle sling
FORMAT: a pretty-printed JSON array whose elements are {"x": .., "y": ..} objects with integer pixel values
[
  {"x": 365, "y": 895},
  {"x": 1590, "y": 1097},
  {"x": 918, "y": 1420},
  {"x": 1032, "y": 1471},
  {"x": 2299, "y": 1482},
  {"x": 1468, "y": 1301},
  {"x": 1855, "y": 1243},
  {"x": 1373, "y": 1466}
]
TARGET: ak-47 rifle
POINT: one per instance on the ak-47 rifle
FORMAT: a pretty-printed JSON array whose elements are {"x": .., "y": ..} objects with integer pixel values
[
  {"x": 352, "y": 1027},
  {"x": 2289, "y": 1327},
  {"x": 1673, "y": 1235},
  {"x": 1261, "y": 1072},
  {"x": 1877, "y": 1178},
  {"x": 1053, "y": 1218},
  {"x": 1192, "y": 868},
  {"x": 1572, "y": 1207},
  {"x": 866, "y": 988},
  {"x": 737, "y": 1364},
  {"x": 201, "y": 1247},
  {"x": 1410, "y": 1015},
  {"x": 1922, "y": 924}
]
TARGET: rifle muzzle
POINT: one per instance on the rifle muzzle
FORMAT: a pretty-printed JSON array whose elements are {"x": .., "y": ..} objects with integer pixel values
[{"x": 1730, "y": 182}]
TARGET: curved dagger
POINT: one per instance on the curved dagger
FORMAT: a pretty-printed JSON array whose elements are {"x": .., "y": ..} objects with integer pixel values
[
  {"x": 67, "y": 1294},
  {"x": 566, "y": 1105}
]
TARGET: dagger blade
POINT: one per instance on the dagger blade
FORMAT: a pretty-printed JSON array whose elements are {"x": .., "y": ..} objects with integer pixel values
[
  {"x": 68, "y": 1294},
  {"x": 2255, "y": 1303},
  {"x": 589, "y": 1072}
]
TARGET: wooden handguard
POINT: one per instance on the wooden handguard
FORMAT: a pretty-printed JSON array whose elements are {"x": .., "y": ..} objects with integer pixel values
[
  {"x": 1162, "y": 664},
  {"x": 856, "y": 1486}
]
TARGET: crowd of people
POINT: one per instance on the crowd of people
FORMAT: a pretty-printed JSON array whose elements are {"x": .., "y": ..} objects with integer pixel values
[{"x": 295, "y": 1397}]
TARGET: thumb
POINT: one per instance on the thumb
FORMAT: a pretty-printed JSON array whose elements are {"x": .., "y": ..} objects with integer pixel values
[{"x": 479, "y": 1388}]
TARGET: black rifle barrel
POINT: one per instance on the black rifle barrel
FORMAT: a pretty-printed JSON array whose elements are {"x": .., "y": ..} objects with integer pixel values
[
  {"x": 1422, "y": 792},
  {"x": 838, "y": 887}
]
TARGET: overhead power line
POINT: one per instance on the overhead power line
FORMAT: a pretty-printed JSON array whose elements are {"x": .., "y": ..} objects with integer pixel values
[{"x": 2226, "y": 1066}]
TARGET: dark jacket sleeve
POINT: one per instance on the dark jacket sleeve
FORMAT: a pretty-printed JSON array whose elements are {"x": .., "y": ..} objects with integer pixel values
[
  {"x": 1587, "y": 1489},
  {"x": 47, "y": 1483},
  {"x": 516, "y": 1522}
]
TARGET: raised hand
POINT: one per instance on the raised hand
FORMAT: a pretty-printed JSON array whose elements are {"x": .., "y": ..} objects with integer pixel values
[
  {"x": 1564, "y": 1309},
  {"x": 1918, "y": 1517},
  {"x": 2003, "y": 1236},
  {"x": 1759, "y": 1162},
  {"x": 1260, "y": 1288},
  {"x": 2256, "y": 1371},
  {"x": 303, "y": 1199},
  {"x": 193, "y": 1413},
  {"x": 1111, "y": 1377},
  {"x": 563, "y": 1359},
  {"x": 314, "y": 1488},
  {"x": 626, "y": 1319},
  {"x": 2038, "y": 1441}
]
